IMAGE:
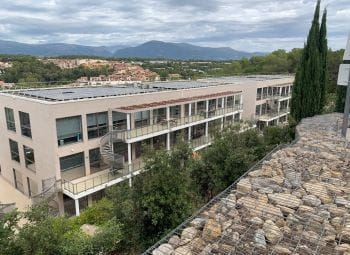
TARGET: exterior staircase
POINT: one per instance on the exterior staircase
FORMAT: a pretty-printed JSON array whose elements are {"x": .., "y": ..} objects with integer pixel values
[{"x": 115, "y": 161}]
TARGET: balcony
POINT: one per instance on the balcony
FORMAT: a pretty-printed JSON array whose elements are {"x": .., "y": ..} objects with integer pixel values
[
  {"x": 179, "y": 123},
  {"x": 273, "y": 114},
  {"x": 86, "y": 185},
  {"x": 89, "y": 184},
  {"x": 275, "y": 96}
]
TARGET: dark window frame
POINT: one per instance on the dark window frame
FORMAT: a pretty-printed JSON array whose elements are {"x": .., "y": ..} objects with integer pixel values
[{"x": 26, "y": 129}]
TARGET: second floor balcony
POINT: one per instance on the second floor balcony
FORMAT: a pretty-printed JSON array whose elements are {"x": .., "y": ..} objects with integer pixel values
[
  {"x": 269, "y": 115},
  {"x": 165, "y": 125}
]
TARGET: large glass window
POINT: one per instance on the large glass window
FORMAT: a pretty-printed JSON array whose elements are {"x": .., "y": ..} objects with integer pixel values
[
  {"x": 230, "y": 101},
  {"x": 257, "y": 110},
  {"x": 238, "y": 99},
  {"x": 159, "y": 115},
  {"x": 14, "y": 150},
  {"x": 72, "y": 161},
  {"x": 69, "y": 130},
  {"x": 25, "y": 124},
  {"x": 10, "y": 119},
  {"x": 141, "y": 119},
  {"x": 97, "y": 124},
  {"x": 119, "y": 120},
  {"x": 259, "y": 94},
  {"x": 29, "y": 157},
  {"x": 201, "y": 106},
  {"x": 175, "y": 112}
]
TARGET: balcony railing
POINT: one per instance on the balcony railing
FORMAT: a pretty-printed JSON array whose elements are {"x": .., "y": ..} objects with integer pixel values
[
  {"x": 273, "y": 114},
  {"x": 90, "y": 182},
  {"x": 177, "y": 122},
  {"x": 276, "y": 96}
]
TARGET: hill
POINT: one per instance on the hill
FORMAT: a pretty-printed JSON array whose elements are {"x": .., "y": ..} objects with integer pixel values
[
  {"x": 52, "y": 49},
  {"x": 181, "y": 51},
  {"x": 151, "y": 49}
]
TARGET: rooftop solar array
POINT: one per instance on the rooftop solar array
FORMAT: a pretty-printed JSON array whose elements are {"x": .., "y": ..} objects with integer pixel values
[
  {"x": 64, "y": 94},
  {"x": 85, "y": 92}
]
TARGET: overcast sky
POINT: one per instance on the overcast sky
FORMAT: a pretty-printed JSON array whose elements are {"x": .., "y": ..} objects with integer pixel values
[{"x": 250, "y": 25}]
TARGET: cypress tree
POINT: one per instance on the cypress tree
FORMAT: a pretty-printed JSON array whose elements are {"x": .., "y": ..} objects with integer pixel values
[
  {"x": 306, "y": 90},
  {"x": 324, "y": 59}
]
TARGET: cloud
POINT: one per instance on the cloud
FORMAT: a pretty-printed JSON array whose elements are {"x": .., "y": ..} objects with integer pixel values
[{"x": 252, "y": 25}]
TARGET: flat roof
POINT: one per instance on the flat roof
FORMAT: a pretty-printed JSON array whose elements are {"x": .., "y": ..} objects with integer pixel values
[
  {"x": 75, "y": 93},
  {"x": 55, "y": 94}
]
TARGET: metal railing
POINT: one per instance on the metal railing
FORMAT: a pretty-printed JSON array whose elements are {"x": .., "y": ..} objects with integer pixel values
[
  {"x": 172, "y": 123},
  {"x": 273, "y": 114},
  {"x": 100, "y": 179}
]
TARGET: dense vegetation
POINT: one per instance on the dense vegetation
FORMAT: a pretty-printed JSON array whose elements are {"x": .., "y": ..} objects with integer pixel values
[
  {"x": 28, "y": 70},
  {"x": 131, "y": 219}
]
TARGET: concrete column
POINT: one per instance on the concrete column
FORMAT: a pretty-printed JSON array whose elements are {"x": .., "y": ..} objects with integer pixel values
[
  {"x": 110, "y": 119},
  {"x": 189, "y": 133},
  {"x": 223, "y": 102},
  {"x": 84, "y": 128},
  {"x": 87, "y": 163},
  {"x": 168, "y": 116},
  {"x": 132, "y": 120},
  {"x": 182, "y": 111},
  {"x": 168, "y": 141},
  {"x": 128, "y": 121},
  {"x": 77, "y": 209},
  {"x": 207, "y": 129},
  {"x": 222, "y": 123},
  {"x": 206, "y": 108},
  {"x": 189, "y": 109},
  {"x": 151, "y": 117},
  {"x": 278, "y": 107},
  {"x": 129, "y": 164}
]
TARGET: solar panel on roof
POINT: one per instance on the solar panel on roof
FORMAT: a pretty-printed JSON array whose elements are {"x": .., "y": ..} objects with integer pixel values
[{"x": 63, "y": 94}]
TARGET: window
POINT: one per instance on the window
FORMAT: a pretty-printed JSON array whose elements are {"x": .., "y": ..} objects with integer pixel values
[
  {"x": 141, "y": 119},
  {"x": 259, "y": 94},
  {"x": 72, "y": 161},
  {"x": 159, "y": 115},
  {"x": 95, "y": 158},
  {"x": 238, "y": 100},
  {"x": 264, "y": 92},
  {"x": 97, "y": 124},
  {"x": 237, "y": 117},
  {"x": 257, "y": 110},
  {"x": 220, "y": 103},
  {"x": 10, "y": 119},
  {"x": 25, "y": 124},
  {"x": 29, "y": 157},
  {"x": 229, "y": 101},
  {"x": 14, "y": 151},
  {"x": 201, "y": 106},
  {"x": 69, "y": 130},
  {"x": 119, "y": 121},
  {"x": 175, "y": 111}
]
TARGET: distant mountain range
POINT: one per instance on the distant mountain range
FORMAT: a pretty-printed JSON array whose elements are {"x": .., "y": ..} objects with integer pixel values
[{"x": 151, "y": 49}]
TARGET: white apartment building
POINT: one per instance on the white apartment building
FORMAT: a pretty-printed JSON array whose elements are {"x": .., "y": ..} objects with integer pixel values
[{"x": 81, "y": 140}]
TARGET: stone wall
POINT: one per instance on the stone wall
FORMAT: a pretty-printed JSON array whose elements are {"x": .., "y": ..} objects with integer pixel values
[{"x": 297, "y": 202}]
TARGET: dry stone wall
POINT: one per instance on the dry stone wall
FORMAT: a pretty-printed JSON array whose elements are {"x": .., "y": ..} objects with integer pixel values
[{"x": 297, "y": 202}]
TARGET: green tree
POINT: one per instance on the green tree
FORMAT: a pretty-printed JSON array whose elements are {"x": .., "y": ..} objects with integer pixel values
[
  {"x": 229, "y": 156},
  {"x": 324, "y": 60},
  {"x": 159, "y": 200},
  {"x": 306, "y": 97}
]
